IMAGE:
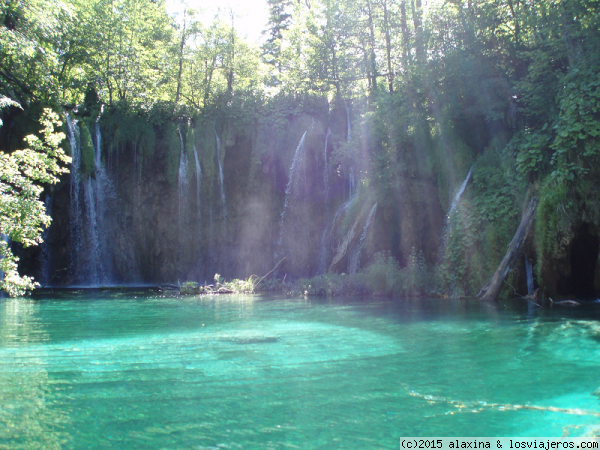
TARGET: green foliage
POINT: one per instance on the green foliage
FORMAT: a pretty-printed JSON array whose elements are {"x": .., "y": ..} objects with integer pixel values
[
  {"x": 384, "y": 275},
  {"x": 432, "y": 91},
  {"x": 564, "y": 205},
  {"x": 577, "y": 142},
  {"x": 531, "y": 149},
  {"x": 190, "y": 288},
  {"x": 247, "y": 286},
  {"x": 331, "y": 285},
  {"x": 131, "y": 130},
  {"x": 22, "y": 214},
  {"x": 495, "y": 189},
  {"x": 461, "y": 265},
  {"x": 552, "y": 225},
  {"x": 479, "y": 230}
]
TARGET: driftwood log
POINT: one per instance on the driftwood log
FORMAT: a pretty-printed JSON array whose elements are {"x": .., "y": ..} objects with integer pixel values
[
  {"x": 492, "y": 288},
  {"x": 270, "y": 272}
]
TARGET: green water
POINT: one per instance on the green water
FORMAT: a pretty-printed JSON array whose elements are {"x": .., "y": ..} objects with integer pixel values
[{"x": 127, "y": 370}]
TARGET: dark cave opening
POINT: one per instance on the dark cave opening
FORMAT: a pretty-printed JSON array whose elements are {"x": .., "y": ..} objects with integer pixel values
[{"x": 584, "y": 256}]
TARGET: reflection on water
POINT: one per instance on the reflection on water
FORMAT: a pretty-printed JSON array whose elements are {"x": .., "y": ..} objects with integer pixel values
[
  {"x": 27, "y": 416},
  {"x": 134, "y": 369}
]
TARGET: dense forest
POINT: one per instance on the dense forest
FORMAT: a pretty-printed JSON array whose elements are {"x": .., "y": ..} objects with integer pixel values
[{"x": 389, "y": 146}]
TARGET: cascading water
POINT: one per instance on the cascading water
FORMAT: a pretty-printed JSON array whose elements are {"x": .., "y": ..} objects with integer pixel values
[
  {"x": 326, "y": 171},
  {"x": 323, "y": 255},
  {"x": 351, "y": 182},
  {"x": 92, "y": 230},
  {"x": 198, "y": 196},
  {"x": 198, "y": 185},
  {"x": 354, "y": 260},
  {"x": 461, "y": 189},
  {"x": 529, "y": 273},
  {"x": 182, "y": 183},
  {"x": 328, "y": 233},
  {"x": 75, "y": 209},
  {"x": 292, "y": 190},
  {"x": 91, "y": 236},
  {"x": 221, "y": 182},
  {"x": 455, "y": 202}
]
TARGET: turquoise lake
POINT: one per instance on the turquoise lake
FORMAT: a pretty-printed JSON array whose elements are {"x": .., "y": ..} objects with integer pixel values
[{"x": 135, "y": 369}]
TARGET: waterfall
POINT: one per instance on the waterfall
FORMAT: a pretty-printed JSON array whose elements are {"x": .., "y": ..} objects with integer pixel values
[
  {"x": 198, "y": 185},
  {"x": 92, "y": 230},
  {"x": 351, "y": 183},
  {"x": 98, "y": 147},
  {"x": 45, "y": 275},
  {"x": 182, "y": 182},
  {"x": 91, "y": 235},
  {"x": 292, "y": 189},
  {"x": 223, "y": 202},
  {"x": 355, "y": 258},
  {"x": 326, "y": 200},
  {"x": 75, "y": 209},
  {"x": 462, "y": 188},
  {"x": 326, "y": 171},
  {"x": 529, "y": 272},
  {"x": 327, "y": 234}
]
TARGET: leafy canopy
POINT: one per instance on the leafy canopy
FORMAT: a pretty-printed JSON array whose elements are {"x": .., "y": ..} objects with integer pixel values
[{"x": 22, "y": 214}]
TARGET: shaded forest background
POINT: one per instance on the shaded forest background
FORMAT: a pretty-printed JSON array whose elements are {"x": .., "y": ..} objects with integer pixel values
[{"x": 414, "y": 95}]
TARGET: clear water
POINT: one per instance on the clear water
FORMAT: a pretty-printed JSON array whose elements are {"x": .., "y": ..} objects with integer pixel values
[{"x": 135, "y": 370}]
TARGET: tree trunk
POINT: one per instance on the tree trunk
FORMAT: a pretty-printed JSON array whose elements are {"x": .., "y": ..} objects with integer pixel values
[
  {"x": 418, "y": 22},
  {"x": 180, "y": 59},
  {"x": 388, "y": 47},
  {"x": 404, "y": 35},
  {"x": 372, "y": 45},
  {"x": 491, "y": 290},
  {"x": 231, "y": 62}
]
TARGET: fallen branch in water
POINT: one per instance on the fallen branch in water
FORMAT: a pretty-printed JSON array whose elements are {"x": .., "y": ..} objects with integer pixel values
[
  {"x": 492, "y": 288},
  {"x": 270, "y": 272}
]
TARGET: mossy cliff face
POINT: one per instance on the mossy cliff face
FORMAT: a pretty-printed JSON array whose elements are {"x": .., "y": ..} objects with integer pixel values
[
  {"x": 284, "y": 177},
  {"x": 567, "y": 240},
  {"x": 234, "y": 194}
]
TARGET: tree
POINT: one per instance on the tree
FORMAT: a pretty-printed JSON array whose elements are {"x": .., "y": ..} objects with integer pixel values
[
  {"x": 280, "y": 19},
  {"x": 22, "y": 214}
]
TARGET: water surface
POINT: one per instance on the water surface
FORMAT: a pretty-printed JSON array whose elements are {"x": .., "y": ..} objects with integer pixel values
[{"x": 138, "y": 370}]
